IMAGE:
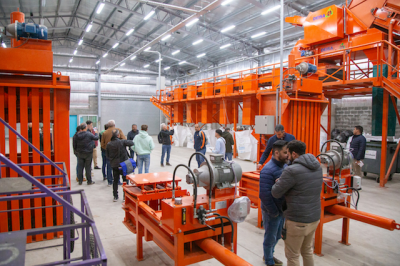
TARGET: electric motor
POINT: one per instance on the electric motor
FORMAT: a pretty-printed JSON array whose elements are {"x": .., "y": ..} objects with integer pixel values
[
  {"x": 31, "y": 30},
  {"x": 306, "y": 68},
  {"x": 334, "y": 158}
]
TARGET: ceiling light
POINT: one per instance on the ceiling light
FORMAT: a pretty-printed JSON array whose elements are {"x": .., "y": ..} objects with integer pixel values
[
  {"x": 80, "y": 42},
  {"x": 228, "y": 28},
  {"x": 258, "y": 35},
  {"x": 225, "y": 46},
  {"x": 129, "y": 32},
  {"x": 190, "y": 23},
  {"x": 176, "y": 52},
  {"x": 122, "y": 64},
  {"x": 147, "y": 49},
  {"x": 166, "y": 68},
  {"x": 100, "y": 8},
  {"x": 4, "y": 45},
  {"x": 97, "y": 62},
  {"x": 115, "y": 45},
  {"x": 226, "y": 2},
  {"x": 166, "y": 37},
  {"x": 270, "y": 10},
  {"x": 89, "y": 27},
  {"x": 158, "y": 60},
  {"x": 75, "y": 52},
  {"x": 133, "y": 57},
  {"x": 71, "y": 60},
  {"x": 201, "y": 55},
  {"x": 197, "y": 42},
  {"x": 105, "y": 54},
  {"x": 146, "y": 66},
  {"x": 149, "y": 15},
  {"x": 182, "y": 62}
]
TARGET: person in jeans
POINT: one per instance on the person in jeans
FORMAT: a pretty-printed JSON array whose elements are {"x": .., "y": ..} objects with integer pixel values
[
  {"x": 131, "y": 135},
  {"x": 357, "y": 148},
  {"x": 199, "y": 143},
  {"x": 84, "y": 151},
  {"x": 229, "y": 142},
  {"x": 272, "y": 212},
  {"x": 220, "y": 144},
  {"x": 89, "y": 126},
  {"x": 166, "y": 143},
  {"x": 104, "y": 169},
  {"x": 116, "y": 153},
  {"x": 301, "y": 184},
  {"x": 143, "y": 145}
]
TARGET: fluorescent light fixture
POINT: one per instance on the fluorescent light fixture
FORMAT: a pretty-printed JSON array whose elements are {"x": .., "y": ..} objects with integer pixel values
[
  {"x": 133, "y": 57},
  {"x": 100, "y": 8},
  {"x": 166, "y": 68},
  {"x": 97, "y": 62},
  {"x": 183, "y": 62},
  {"x": 71, "y": 60},
  {"x": 226, "y": 2},
  {"x": 89, "y": 27},
  {"x": 75, "y": 52},
  {"x": 201, "y": 55},
  {"x": 190, "y": 23},
  {"x": 115, "y": 45},
  {"x": 197, "y": 42},
  {"x": 105, "y": 55},
  {"x": 270, "y": 10},
  {"x": 147, "y": 49},
  {"x": 166, "y": 37},
  {"x": 129, "y": 32},
  {"x": 4, "y": 45},
  {"x": 80, "y": 42},
  {"x": 228, "y": 28},
  {"x": 149, "y": 15},
  {"x": 158, "y": 60},
  {"x": 176, "y": 52},
  {"x": 225, "y": 46},
  {"x": 146, "y": 66},
  {"x": 258, "y": 35},
  {"x": 122, "y": 64}
]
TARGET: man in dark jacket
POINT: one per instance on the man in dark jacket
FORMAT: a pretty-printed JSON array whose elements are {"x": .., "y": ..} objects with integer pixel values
[
  {"x": 271, "y": 207},
  {"x": 301, "y": 184},
  {"x": 280, "y": 134},
  {"x": 116, "y": 153},
  {"x": 131, "y": 135},
  {"x": 166, "y": 143},
  {"x": 357, "y": 148},
  {"x": 84, "y": 151},
  {"x": 228, "y": 144},
  {"x": 78, "y": 129},
  {"x": 199, "y": 143}
]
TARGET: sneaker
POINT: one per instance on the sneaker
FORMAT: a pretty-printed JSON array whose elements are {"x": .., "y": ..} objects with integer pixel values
[
  {"x": 162, "y": 165},
  {"x": 80, "y": 183},
  {"x": 96, "y": 167},
  {"x": 115, "y": 199},
  {"x": 273, "y": 264},
  {"x": 77, "y": 180},
  {"x": 109, "y": 185},
  {"x": 84, "y": 179},
  {"x": 91, "y": 183},
  {"x": 104, "y": 178},
  {"x": 168, "y": 164},
  {"x": 278, "y": 262}
]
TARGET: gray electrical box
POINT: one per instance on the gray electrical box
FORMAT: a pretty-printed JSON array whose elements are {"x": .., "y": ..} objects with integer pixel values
[{"x": 265, "y": 124}]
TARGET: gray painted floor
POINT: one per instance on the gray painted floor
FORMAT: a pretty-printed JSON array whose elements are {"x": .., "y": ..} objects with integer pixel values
[{"x": 369, "y": 245}]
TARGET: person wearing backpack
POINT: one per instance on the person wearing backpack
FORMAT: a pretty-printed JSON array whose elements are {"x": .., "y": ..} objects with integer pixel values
[
  {"x": 200, "y": 141},
  {"x": 165, "y": 139}
]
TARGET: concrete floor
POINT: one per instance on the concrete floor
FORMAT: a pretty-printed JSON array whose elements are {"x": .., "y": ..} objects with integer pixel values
[{"x": 369, "y": 245}]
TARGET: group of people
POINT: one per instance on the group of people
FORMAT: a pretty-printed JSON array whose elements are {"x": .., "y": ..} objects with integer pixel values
[{"x": 290, "y": 187}]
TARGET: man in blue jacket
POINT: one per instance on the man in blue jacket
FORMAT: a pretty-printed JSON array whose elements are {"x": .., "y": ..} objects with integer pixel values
[
  {"x": 272, "y": 208},
  {"x": 199, "y": 143},
  {"x": 280, "y": 134},
  {"x": 357, "y": 148}
]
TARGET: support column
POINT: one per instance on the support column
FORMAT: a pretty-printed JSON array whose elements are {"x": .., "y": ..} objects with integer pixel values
[
  {"x": 384, "y": 137},
  {"x": 98, "y": 89}
]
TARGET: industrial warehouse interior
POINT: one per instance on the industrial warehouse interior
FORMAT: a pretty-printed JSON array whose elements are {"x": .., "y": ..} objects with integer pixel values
[{"x": 199, "y": 132}]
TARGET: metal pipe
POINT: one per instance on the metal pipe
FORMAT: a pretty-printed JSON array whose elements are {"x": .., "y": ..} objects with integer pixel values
[
  {"x": 278, "y": 105},
  {"x": 390, "y": 40},
  {"x": 364, "y": 217},
  {"x": 385, "y": 125},
  {"x": 159, "y": 68},
  {"x": 221, "y": 253},
  {"x": 169, "y": 6},
  {"x": 98, "y": 77}
]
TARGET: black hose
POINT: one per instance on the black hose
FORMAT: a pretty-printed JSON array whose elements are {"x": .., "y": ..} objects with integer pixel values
[
  {"x": 233, "y": 230},
  {"x": 209, "y": 169},
  {"x": 194, "y": 181},
  {"x": 334, "y": 167},
  {"x": 358, "y": 195}
]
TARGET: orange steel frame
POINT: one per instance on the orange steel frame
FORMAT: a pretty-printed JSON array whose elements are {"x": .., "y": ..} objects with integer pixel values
[
  {"x": 151, "y": 213},
  {"x": 31, "y": 93}
]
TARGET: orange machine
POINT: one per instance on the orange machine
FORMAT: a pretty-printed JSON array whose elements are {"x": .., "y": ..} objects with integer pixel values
[
  {"x": 188, "y": 229},
  {"x": 37, "y": 99}
]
